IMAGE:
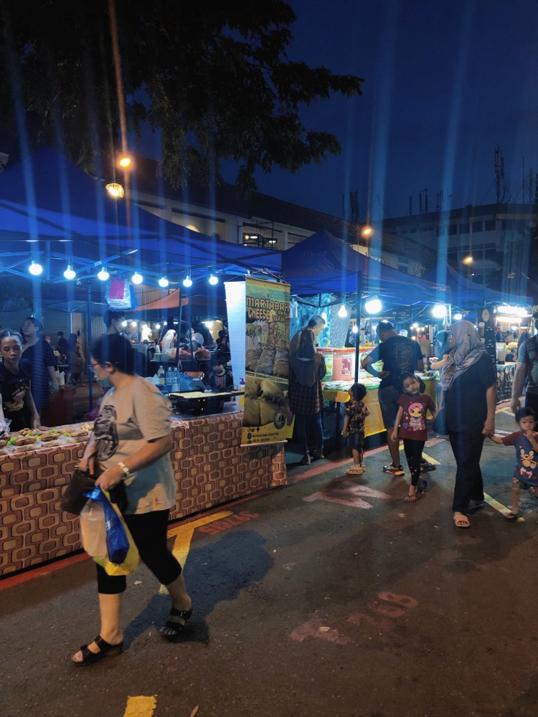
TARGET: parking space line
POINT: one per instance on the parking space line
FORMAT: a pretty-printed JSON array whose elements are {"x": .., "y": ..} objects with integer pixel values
[
  {"x": 502, "y": 509},
  {"x": 140, "y": 706}
]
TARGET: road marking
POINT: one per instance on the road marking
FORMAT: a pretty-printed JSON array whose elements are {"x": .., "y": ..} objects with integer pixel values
[
  {"x": 503, "y": 510},
  {"x": 345, "y": 492},
  {"x": 140, "y": 706},
  {"x": 426, "y": 457},
  {"x": 184, "y": 533}
]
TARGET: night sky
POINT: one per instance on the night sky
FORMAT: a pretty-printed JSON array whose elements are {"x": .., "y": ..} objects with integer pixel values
[{"x": 446, "y": 82}]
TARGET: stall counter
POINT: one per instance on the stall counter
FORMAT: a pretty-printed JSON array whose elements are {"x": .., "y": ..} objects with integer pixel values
[
  {"x": 210, "y": 466},
  {"x": 338, "y": 392}
]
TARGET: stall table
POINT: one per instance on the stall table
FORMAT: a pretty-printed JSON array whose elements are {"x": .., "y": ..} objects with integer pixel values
[
  {"x": 209, "y": 464},
  {"x": 338, "y": 392}
]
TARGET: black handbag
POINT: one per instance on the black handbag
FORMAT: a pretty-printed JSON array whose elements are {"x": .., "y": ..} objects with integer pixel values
[{"x": 74, "y": 498}]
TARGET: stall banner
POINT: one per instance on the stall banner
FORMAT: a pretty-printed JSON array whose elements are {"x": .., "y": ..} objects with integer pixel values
[{"x": 267, "y": 418}]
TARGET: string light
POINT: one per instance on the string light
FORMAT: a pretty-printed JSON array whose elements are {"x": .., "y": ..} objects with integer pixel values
[
  {"x": 458, "y": 317},
  {"x": 355, "y": 329},
  {"x": 373, "y": 306},
  {"x": 342, "y": 312},
  {"x": 439, "y": 311},
  {"x": 125, "y": 162},
  {"x": 187, "y": 282},
  {"x": 137, "y": 278},
  {"x": 163, "y": 282},
  {"x": 35, "y": 269},
  {"x": 213, "y": 280},
  {"x": 70, "y": 273},
  {"x": 103, "y": 274}
]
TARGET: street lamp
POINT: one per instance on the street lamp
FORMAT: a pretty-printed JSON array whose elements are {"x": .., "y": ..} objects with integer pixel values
[
  {"x": 468, "y": 260},
  {"x": 125, "y": 162},
  {"x": 367, "y": 231},
  {"x": 115, "y": 190}
]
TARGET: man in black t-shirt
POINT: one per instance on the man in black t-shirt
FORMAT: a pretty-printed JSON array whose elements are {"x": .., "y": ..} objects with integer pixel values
[{"x": 401, "y": 356}]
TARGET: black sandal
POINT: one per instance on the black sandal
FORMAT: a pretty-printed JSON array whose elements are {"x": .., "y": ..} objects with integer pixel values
[
  {"x": 174, "y": 626},
  {"x": 105, "y": 650}
]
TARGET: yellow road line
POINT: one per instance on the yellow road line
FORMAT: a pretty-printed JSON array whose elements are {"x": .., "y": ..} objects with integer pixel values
[
  {"x": 140, "y": 706},
  {"x": 426, "y": 456},
  {"x": 503, "y": 510},
  {"x": 184, "y": 533}
]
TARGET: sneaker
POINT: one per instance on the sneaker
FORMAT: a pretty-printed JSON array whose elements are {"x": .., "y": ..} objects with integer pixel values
[{"x": 396, "y": 471}]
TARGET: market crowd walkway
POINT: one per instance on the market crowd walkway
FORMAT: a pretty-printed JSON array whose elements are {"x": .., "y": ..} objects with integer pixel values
[{"x": 328, "y": 597}]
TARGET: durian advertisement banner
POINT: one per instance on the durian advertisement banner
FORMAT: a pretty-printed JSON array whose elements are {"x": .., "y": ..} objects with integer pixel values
[{"x": 267, "y": 417}]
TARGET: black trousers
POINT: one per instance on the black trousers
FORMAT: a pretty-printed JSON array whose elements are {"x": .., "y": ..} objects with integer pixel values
[
  {"x": 413, "y": 453},
  {"x": 467, "y": 449},
  {"x": 149, "y": 534},
  {"x": 309, "y": 432}
]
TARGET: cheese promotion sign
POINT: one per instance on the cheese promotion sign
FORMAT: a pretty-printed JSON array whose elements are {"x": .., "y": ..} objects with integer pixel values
[{"x": 267, "y": 417}]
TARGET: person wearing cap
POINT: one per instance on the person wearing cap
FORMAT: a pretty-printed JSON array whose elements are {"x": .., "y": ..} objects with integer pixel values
[{"x": 400, "y": 356}]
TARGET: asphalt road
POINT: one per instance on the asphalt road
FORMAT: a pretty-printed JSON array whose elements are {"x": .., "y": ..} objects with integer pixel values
[{"x": 328, "y": 597}]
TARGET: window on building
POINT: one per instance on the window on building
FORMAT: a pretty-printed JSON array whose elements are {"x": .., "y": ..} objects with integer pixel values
[
  {"x": 490, "y": 225},
  {"x": 464, "y": 228},
  {"x": 452, "y": 229},
  {"x": 478, "y": 226}
]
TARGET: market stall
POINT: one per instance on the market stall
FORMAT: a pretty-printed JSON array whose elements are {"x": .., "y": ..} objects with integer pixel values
[{"x": 209, "y": 464}]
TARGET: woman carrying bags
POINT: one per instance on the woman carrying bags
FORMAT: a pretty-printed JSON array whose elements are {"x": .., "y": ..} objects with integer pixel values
[
  {"x": 131, "y": 443},
  {"x": 469, "y": 397}
]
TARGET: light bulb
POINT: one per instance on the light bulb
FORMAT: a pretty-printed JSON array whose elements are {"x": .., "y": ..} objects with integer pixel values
[
  {"x": 157, "y": 327},
  {"x": 342, "y": 312},
  {"x": 373, "y": 306},
  {"x": 133, "y": 324},
  {"x": 213, "y": 280},
  {"x": 439, "y": 311},
  {"x": 163, "y": 282},
  {"x": 458, "y": 317},
  {"x": 137, "y": 278},
  {"x": 35, "y": 269},
  {"x": 187, "y": 282},
  {"x": 124, "y": 324},
  {"x": 355, "y": 329},
  {"x": 103, "y": 274},
  {"x": 125, "y": 161}
]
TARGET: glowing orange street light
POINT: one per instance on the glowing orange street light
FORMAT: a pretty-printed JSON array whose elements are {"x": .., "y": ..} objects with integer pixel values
[
  {"x": 125, "y": 162},
  {"x": 468, "y": 260},
  {"x": 367, "y": 231}
]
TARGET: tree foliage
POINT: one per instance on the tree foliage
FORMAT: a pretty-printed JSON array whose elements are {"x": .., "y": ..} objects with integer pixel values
[{"x": 213, "y": 77}]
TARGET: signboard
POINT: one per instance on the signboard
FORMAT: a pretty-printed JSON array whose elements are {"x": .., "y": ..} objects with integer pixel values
[{"x": 267, "y": 418}]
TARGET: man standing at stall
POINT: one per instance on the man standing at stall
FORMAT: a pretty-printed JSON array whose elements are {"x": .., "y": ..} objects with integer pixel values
[
  {"x": 526, "y": 373},
  {"x": 400, "y": 356}
]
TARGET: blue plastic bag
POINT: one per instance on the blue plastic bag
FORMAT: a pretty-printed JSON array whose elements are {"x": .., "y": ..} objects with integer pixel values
[{"x": 117, "y": 541}]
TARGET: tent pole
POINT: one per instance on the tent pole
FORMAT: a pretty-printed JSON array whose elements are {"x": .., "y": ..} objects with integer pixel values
[
  {"x": 178, "y": 362},
  {"x": 357, "y": 336},
  {"x": 88, "y": 347}
]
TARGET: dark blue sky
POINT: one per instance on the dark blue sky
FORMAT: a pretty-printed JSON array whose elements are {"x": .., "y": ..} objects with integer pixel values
[{"x": 446, "y": 82}]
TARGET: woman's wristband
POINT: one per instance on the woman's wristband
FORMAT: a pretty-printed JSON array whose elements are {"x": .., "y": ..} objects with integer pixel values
[{"x": 126, "y": 473}]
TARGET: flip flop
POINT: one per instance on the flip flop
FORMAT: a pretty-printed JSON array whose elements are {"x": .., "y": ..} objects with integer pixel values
[
  {"x": 413, "y": 498},
  {"x": 461, "y": 522},
  {"x": 511, "y": 517}
]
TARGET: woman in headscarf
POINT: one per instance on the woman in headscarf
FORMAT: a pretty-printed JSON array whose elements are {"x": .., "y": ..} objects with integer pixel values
[
  {"x": 468, "y": 381},
  {"x": 307, "y": 368}
]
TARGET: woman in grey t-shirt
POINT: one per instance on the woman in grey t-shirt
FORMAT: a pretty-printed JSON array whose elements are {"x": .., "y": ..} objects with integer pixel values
[{"x": 131, "y": 442}]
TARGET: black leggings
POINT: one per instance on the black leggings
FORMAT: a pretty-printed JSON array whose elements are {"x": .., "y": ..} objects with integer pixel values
[
  {"x": 149, "y": 534},
  {"x": 413, "y": 453}
]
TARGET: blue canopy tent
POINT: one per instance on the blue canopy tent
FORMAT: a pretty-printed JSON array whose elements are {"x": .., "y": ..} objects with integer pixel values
[
  {"x": 323, "y": 263},
  {"x": 465, "y": 293}
]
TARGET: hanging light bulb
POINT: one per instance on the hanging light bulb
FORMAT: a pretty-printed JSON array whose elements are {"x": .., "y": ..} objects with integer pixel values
[
  {"x": 125, "y": 161},
  {"x": 187, "y": 282},
  {"x": 342, "y": 312},
  {"x": 458, "y": 317},
  {"x": 163, "y": 282},
  {"x": 137, "y": 278},
  {"x": 35, "y": 268},
  {"x": 157, "y": 327},
  {"x": 213, "y": 280},
  {"x": 70, "y": 273},
  {"x": 103, "y": 274},
  {"x": 439, "y": 311},
  {"x": 355, "y": 328},
  {"x": 124, "y": 324},
  {"x": 324, "y": 316},
  {"x": 133, "y": 324},
  {"x": 373, "y": 306},
  {"x": 468, "y": 260}
]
